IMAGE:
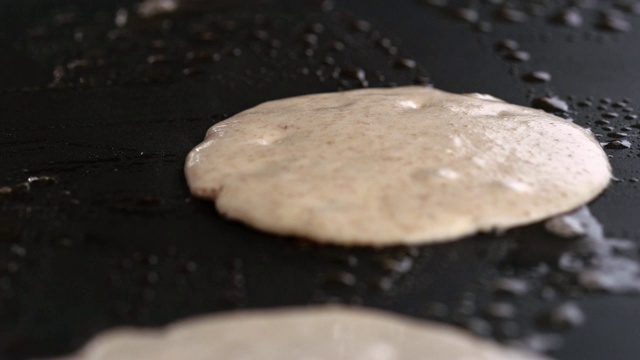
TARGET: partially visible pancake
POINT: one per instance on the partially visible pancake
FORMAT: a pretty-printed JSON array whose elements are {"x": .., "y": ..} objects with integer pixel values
[
  {"x": 312, "y": 333},
  {"x": 395, "y": 166}
]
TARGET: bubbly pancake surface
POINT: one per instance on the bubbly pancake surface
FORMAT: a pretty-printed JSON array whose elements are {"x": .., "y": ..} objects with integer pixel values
[
  {"x": 312, "y": 333},
  {"x": 395, "y": 166}
]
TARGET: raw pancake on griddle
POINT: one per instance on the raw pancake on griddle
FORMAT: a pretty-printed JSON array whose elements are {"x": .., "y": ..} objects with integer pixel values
[
  {"x": 395, "y": 166},
  {"x": 318, "y": 333}
]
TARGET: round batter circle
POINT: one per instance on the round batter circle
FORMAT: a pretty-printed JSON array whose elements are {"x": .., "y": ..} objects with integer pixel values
[
  {"x": 395, "y": 166},
  {"x": 317, "y": 332}
]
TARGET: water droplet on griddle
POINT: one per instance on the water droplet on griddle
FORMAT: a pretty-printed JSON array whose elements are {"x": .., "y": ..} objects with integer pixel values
[
  {"x": 405, "y": 63},
  {"x": 550, "y": 104},
  {"x": 540, "y": 343},
  {"x": 402, "y": 265},
  {"x": 421, "y": 80},
  {"x": 617, "y": 135},
  {"x": 340, "y": 278},
  {"x": 353, "y": 73},
  {"x": 310, "y": 39},
  {"x": 507, "y": 45},
  {"x": 343, "y": 259},
  {"x": 122, "y": 15},
  {"x": 512, "y": 15},
  {"x": 157, "y": 59},
  {"x": 517, "y": 56},
  {"x": 384, "y": 43},
  {"x": 337, "y": 45},
  {"x": 614, "y": 22},
  {"x": 18, "y": 250},
  {"x": 260, "y": 35},
  {"x": 569, "y": 17},
  {"x": 500, "y": 310},
  {"x": 41, "y": 180},
  {"x": 317, "y": 28},
  {"x": 564, "y": 317},
  {"x": 484, "y": 27},
  {"x": 467, "y": 14},
  {"x": 188, "y": 267},
  {"x": 384, "y": 283},
  {"x": 361, "y": 25},
  {"x": 537, "y": 77},
  {"x": 511, "y": 286}
]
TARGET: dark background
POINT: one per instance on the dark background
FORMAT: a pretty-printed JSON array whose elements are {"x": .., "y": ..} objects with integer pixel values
[{"x": 97, "y": 228}]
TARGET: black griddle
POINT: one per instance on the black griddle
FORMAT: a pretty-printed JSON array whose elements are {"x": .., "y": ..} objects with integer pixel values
[{"x": 97, "y": 227}]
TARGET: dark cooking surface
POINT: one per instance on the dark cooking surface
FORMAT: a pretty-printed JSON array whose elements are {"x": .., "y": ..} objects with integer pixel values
[{"x": 108, "y": 234}]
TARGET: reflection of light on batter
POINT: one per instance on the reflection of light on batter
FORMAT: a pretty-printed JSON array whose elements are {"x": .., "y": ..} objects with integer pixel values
[
  {"x": 448, "y": 173},
  {"x": 516, "y": 185},
  {"x": 408, "y": 104}
]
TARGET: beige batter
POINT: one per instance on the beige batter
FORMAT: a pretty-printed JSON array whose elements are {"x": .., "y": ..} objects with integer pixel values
[
  {"x": 395, "y": 166},
  {"x": 313, "y": 333}
]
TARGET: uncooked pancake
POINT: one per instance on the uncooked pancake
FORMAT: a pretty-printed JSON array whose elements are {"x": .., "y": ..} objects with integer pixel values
[
  {"x": 313, "y": 333},
  {"x": 395, "y": 166}
]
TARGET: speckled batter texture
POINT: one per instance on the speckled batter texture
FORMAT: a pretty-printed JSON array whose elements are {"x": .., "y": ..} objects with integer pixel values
[
  {"x": 313, "y": 333},
  {"x": 395, "y": 166}
]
